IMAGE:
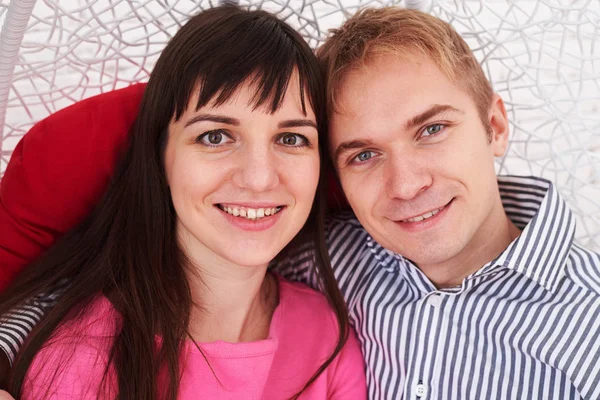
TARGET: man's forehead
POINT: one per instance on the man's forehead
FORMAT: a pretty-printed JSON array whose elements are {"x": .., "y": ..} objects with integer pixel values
[
  {"x": 390, "y": 85},
  {"x": 370, "y": 80}
]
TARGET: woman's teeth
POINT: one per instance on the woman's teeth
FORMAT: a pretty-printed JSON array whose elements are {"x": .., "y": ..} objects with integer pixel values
[
  {"x": 250, "y": 213},
  {"x": 424, "y": 216}
]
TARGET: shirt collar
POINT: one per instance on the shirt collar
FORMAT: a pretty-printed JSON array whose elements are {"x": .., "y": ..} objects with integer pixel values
[
  {"x": 548, "y": 229},
  {"x": 540, "y": 252}
]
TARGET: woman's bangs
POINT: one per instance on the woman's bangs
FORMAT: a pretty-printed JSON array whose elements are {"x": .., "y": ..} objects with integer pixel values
[{"x": 256, "y": 52}]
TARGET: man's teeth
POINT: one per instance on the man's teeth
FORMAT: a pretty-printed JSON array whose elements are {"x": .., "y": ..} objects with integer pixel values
[
  {"x": 424, "y": 216},
  {"x": 250, "y": 213}
]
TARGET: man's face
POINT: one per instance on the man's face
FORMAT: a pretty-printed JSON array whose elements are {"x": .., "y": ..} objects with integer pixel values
[{"x": 416, "y": 161}]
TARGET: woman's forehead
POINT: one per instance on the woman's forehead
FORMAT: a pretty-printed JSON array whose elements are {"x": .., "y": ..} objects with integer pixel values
[{"x": 252, "y": 93}]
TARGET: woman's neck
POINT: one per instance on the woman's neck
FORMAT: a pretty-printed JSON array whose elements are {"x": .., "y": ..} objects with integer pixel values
[{"x": 232, "y": 303}]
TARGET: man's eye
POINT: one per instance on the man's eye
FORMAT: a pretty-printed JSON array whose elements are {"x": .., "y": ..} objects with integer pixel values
[
  {"x": 433, "y": 129},
  {"x": 213, "y": 138},
  {"x": 292, "y": 140},
  {"x": 363, "y": 156}
]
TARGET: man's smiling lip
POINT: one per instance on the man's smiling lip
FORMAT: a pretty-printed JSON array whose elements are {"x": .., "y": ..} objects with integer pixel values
[
  {"x": 425, "y": 223},
  {"x": 425, "y": 214}
]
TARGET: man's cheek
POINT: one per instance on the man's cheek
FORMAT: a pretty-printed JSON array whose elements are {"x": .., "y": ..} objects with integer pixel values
[{"x": 359, "y": 194}]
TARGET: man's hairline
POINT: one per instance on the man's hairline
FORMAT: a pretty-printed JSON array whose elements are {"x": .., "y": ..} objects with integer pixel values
[{"x": 371, "y": 57}]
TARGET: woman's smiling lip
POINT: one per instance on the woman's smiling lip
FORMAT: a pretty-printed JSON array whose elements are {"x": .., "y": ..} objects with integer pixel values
[
  {"x": 252, "y": 211},
  {"x": 251, "y": 219},
  {"x": 250, "y": 204}
]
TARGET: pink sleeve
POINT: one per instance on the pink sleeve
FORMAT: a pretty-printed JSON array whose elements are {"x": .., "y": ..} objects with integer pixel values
[{"x": 347, "y": 380}]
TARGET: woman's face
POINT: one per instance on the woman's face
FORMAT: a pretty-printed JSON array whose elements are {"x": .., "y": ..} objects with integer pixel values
[{"x": 242, "y": 180}]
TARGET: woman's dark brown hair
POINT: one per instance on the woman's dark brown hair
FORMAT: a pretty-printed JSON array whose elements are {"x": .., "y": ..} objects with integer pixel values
[{"x": 127, "y": 248}]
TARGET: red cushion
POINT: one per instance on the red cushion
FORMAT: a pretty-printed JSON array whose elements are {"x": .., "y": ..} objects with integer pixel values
[{"x": 58, "y": 171}]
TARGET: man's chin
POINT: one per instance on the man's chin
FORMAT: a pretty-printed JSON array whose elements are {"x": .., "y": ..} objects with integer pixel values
[{"x": 431, "y": 253}]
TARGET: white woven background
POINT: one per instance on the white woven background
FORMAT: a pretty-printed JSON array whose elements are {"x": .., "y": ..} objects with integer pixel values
[{"x": 542, "y": 56}]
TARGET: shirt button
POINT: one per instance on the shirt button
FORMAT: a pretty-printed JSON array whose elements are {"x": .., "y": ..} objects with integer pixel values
[
  {"x": 421, "y": 390},
  {"x": 434, "y": 300}
]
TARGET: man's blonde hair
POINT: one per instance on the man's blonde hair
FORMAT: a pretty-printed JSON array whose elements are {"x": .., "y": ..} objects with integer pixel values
[{"x": 403, "y": 33}]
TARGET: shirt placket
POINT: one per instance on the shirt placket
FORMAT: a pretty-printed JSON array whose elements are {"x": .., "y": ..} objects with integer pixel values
[
  {"x": 424, "y": 375},
  {"x": 420, "y": 380}
]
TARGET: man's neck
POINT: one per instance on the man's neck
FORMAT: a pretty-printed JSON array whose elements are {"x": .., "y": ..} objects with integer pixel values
[{"x": 487, "y": 244}]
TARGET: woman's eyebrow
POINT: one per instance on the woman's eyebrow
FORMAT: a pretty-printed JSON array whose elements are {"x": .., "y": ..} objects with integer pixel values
[
  {"x": 293, "y": 123},
  {"x": 213, "y": 118}
]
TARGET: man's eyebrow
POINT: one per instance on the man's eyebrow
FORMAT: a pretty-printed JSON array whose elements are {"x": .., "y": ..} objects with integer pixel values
[
  {"x": 350, "y": 145},
  {"x": 213, "y": 118},
  {"x": 411, "y": 123},
  {"x": 294, "y": 123},
  {"x": 434, "y": 110}
]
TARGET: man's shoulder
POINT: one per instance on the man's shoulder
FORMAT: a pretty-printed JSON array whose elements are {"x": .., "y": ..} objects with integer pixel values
[
  {"x": 343, "y": 221},
  {"x": 353, "y": 252},
  {"x": 345, "y": 233},
  {"x": 583, "y": 268}
]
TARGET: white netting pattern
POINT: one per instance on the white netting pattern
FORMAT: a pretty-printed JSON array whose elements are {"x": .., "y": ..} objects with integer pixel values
[{"x": 541, "y": 56}]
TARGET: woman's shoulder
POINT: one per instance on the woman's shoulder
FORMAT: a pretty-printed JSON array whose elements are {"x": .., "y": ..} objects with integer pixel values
[
  {"x": 93, "y": 327},
  {"x": 73, "y": 361},
  {"x": 309, "y": 333},
  {"x": 304, "y": 309},
  {"x": 92, "y": 324},
  {"x": 302, "y": 297}
]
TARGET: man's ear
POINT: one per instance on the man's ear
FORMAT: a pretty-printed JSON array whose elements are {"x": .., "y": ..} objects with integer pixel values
[{"x": 499, "y": 127}]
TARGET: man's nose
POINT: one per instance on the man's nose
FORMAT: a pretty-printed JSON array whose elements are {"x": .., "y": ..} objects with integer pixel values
[{"x": 407, "y": 176}]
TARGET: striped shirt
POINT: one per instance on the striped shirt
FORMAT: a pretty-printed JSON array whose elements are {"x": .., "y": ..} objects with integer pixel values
[
  {"x": 15, "y": 326},
  {"x": 524, "y": 326}
]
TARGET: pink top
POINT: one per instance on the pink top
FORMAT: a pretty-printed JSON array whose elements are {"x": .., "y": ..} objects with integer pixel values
[{"x": 302, "y": 335}]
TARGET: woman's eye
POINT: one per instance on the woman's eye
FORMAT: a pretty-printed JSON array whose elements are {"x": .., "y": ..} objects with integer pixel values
[
  {"x": 213, "y": 138},
  {"x": 363, "y": 156},
  {"x": 293, "y": 140},
  {"x": 433, "y": 129}
]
